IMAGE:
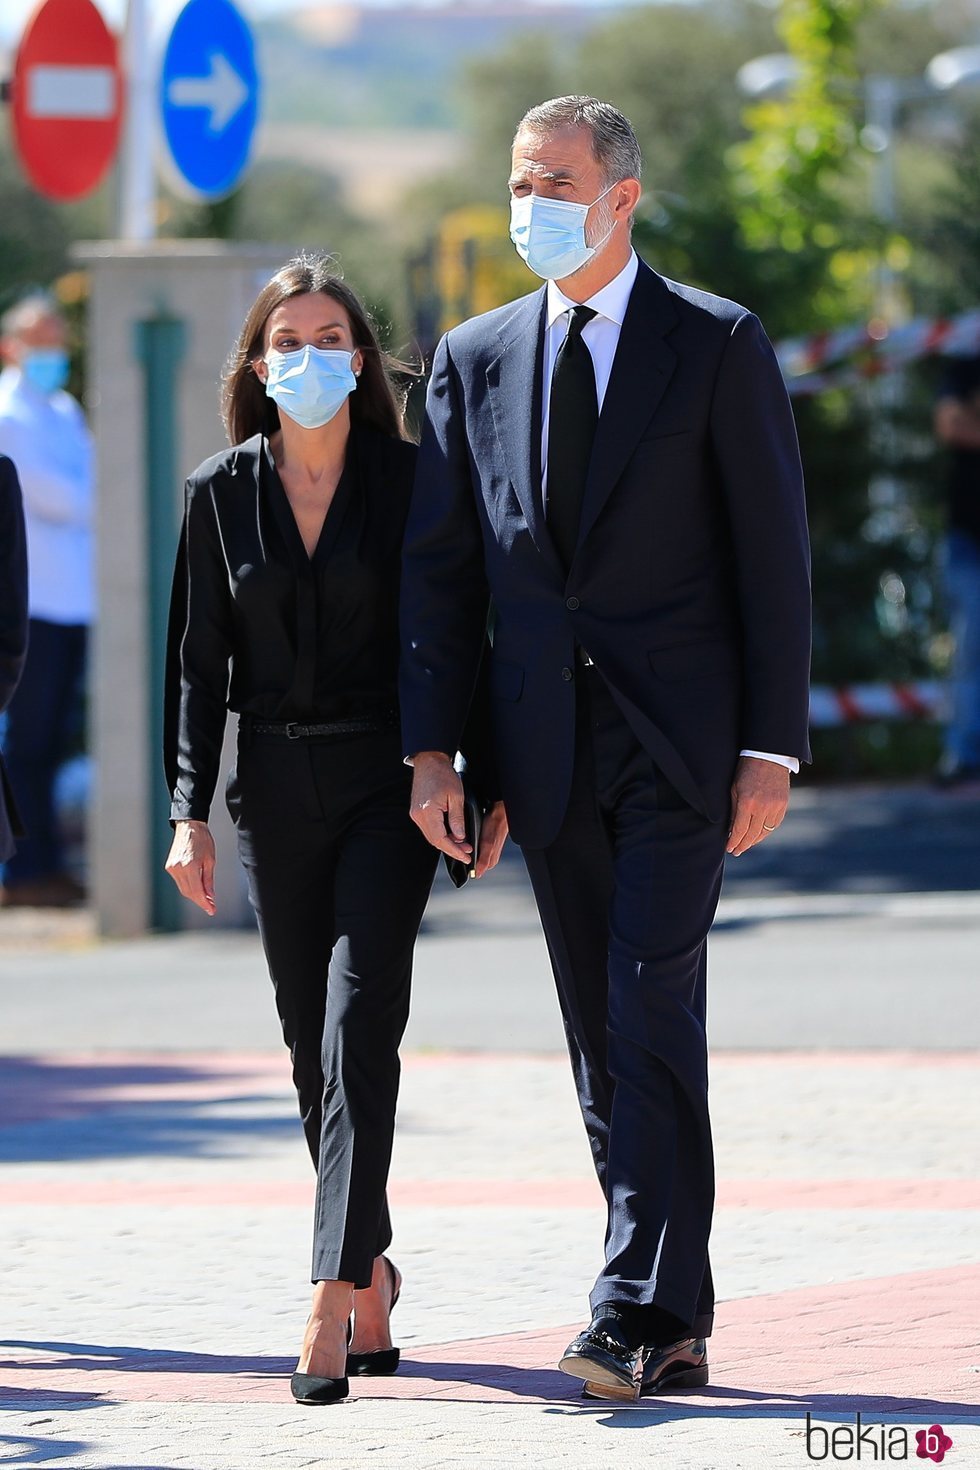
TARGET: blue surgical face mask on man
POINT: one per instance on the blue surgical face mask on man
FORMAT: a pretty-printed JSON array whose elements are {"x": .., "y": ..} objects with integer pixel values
[
  {"x": 310, "y": 384},
  {"x": 549, "y": 234},
  {"x": 46, "y": 368}
]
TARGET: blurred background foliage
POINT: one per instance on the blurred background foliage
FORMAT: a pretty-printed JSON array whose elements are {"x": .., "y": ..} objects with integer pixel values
[{"x": 387, "y": 139}]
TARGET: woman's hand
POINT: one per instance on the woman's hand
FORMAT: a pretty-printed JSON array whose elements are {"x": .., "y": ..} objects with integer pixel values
[
  {"x": 493, "y": 835},
  {"x": 191, "y": 863}
]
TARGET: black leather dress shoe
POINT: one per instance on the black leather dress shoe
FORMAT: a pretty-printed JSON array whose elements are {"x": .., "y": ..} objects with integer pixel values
[
  {"x": 679, "y": 1365},
  {"x": 671, "y": 1369},
  {"x": 604, "y": 1359}
]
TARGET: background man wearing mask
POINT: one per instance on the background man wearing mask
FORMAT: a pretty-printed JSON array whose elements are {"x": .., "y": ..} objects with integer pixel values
[
  {"x": 43, "y": 430},
  {"x": 613, "y": 460}
]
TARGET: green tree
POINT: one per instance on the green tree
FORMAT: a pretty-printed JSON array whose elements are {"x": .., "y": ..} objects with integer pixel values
[
  {"x": 34, "y": 234},
  {"x": 799, "y": 185},
  {"x": 790, "y": 175}
]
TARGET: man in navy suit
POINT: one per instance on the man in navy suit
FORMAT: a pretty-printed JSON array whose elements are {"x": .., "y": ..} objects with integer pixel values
[
  {"x": 13, "y": 628},
  {"x": 612, "y": 463}
]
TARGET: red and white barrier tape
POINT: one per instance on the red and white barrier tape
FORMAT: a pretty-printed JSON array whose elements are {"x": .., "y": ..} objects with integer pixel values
[
  {"x": 853, "y": 703},
  {"x": 879, "y": 347}
]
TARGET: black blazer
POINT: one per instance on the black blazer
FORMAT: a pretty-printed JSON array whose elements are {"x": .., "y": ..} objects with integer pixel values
[
  {"x": 690, "y": 584},
  {"x": 13, "y": 628}
]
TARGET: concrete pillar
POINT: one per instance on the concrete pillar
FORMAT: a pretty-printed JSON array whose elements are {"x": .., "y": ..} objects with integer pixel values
[{"x": 207, "y": 287}]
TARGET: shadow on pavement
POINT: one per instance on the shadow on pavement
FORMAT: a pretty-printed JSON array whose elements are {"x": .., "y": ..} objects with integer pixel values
[
  {"x": 533, "y": 1383},
  {"x": 833, "y": 1406},
  {"x": 836, "y": 840},
  {"x": 499, "y": 903},
  {"x": 888, "y": 839},
  {"x": 34, "y": 1451},
  {"x": 54, "y": 1111},
  {"x": 100, "y": 1358},
  {"x": 23, "y": 1450},
  {"x": 550, "y": 1384},
  {"x": 523, "y": 1382},
  {"x": 15, "y": 1397}
]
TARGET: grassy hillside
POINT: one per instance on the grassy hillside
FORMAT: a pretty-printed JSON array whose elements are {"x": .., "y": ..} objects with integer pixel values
[{"x": 340, "y": 66}]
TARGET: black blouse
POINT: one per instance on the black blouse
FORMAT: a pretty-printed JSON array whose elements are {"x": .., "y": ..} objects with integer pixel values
[{"x": 259, "y": 627}]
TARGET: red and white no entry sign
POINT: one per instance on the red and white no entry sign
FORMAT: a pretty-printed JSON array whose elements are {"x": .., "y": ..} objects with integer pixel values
[{"x": 67, "y": 98}]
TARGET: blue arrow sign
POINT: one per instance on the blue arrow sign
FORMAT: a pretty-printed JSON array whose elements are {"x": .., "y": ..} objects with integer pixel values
[{"x": 209, "y": 97}]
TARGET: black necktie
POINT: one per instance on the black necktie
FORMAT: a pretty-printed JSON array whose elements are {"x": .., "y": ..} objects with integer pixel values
[{"x": 571, "y": 430}]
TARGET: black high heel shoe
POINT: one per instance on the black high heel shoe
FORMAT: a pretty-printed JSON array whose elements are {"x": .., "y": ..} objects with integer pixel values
[
  {"x": 383, "y": 1362},
  {"x": 307, "y": 1388}
]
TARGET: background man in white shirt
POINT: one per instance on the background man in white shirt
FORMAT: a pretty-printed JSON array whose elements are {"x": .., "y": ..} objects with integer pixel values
[{"x": 43, "y": 430}]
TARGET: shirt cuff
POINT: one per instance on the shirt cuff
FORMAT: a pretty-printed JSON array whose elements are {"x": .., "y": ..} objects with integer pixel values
[
  {"x": 409, "y": 760},
  {"x": 189, "y": 811},
  {"x": 789, "y": 761}
]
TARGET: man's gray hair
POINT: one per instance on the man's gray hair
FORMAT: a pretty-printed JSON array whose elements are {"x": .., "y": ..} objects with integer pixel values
[
  {"x": 613, "y": 140},
  {"x": 35, "y": 306}
]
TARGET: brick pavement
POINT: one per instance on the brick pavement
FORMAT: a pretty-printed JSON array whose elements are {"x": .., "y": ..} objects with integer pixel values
[{"x": 154, "y": 1242}]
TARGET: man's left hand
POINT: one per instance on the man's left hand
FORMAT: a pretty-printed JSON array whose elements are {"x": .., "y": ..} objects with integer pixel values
[
  {"x": 760, "y": 796},
  {"x": 493, "y": 835}
]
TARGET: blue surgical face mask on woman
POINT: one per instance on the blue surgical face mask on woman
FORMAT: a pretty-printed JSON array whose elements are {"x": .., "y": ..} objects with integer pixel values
[
  {"x": 549, "y": 234},
  {"x": 46, "y": 368},
  {"x": 310, "y": 384}
]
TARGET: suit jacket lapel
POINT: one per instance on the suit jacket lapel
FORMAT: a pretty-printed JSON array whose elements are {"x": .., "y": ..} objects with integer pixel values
[
  {"x": 642, "y": 368},
  {"x": 514, "y": 383}
]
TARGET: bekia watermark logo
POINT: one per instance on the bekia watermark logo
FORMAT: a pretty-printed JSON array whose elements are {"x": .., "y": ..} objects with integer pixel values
[
  {"x": 875, "y": 1442},
  {"x": 933, "y": 1443}
]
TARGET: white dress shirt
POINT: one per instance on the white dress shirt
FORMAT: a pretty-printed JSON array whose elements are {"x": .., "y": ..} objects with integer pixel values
[
  {"x": 48, "y": 440},
  {"x": 601, "y": 336}
]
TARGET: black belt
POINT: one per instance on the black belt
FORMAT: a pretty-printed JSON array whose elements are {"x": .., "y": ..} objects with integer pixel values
[{"x": 292, "y": 730}]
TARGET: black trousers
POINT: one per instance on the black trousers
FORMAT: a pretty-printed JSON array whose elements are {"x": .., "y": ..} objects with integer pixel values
[
  {"x": 44, "y": 714},
  {"x": 339, "y": 877},
  {"x": 627, "y": 893}
]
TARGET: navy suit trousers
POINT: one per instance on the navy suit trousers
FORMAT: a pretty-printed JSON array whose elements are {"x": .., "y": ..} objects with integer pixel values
[{"x": 627, "y": 893}]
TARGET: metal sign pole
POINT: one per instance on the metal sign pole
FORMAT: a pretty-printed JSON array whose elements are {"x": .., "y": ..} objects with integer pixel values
[
  {"x": 160, "y": 343},
  {"x": 137, "y": 180}
]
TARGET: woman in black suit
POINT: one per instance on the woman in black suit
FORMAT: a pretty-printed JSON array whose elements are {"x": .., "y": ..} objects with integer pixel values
[{"x": 288, "y": 576}]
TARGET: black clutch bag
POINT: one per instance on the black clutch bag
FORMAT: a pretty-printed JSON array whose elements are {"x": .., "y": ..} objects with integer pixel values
[{"x": 458, "y": 870}]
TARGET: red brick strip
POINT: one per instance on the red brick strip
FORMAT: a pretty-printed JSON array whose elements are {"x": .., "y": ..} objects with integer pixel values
[
  {"x": 893, "y": 1346},
  {"x": 531, "y": 1194}
]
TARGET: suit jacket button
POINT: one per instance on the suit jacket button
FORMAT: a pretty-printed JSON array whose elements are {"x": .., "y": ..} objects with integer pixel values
[
  {"x": 567, "y": 675},
  {"x": 572, "y": 604}
]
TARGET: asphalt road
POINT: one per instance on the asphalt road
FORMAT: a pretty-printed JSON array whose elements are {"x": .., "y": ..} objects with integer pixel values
[{"x": 856, "y": 926}]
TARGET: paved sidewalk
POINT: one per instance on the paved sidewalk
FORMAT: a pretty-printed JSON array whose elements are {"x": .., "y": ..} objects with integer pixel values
[
  {"x": 155, "y": 1192},
  {"x": 154, "y": 1240}
]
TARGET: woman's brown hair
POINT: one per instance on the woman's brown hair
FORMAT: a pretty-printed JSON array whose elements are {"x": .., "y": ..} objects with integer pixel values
[{"x": 245, "y": 407}]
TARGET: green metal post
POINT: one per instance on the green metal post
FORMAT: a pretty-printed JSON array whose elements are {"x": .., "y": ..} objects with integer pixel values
[{"x": 160, "y": 344}]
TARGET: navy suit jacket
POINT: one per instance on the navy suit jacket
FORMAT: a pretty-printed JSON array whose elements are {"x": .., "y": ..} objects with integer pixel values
[
  {"x": 13, "y": 627},
  {"x": 690, "y": 582}
]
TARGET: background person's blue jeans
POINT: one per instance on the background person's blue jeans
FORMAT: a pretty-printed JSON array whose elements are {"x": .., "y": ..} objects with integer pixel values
[
  {"x": 41, "y": 719},
  {"x": 963, "y": 596}
]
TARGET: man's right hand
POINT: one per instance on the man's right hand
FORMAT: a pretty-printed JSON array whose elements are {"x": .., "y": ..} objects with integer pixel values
[
  {"x": 437, "y": 804},
  {"x": 191, "y": 863}
]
